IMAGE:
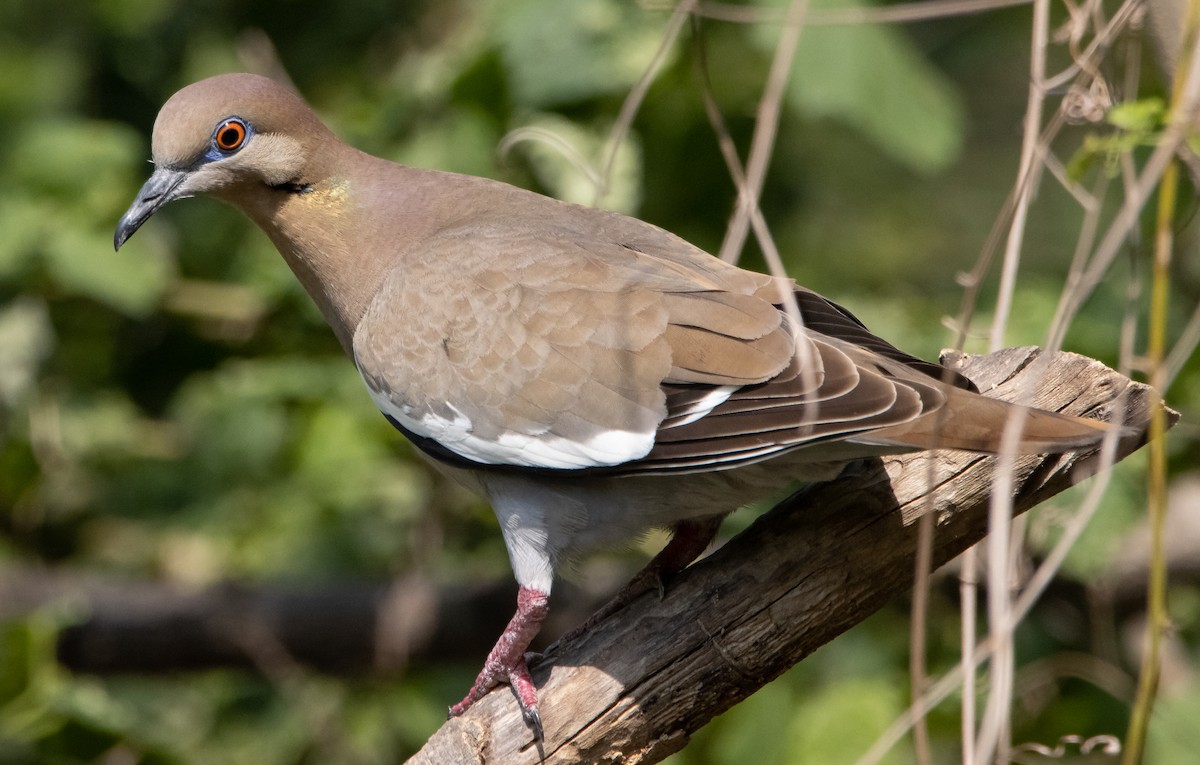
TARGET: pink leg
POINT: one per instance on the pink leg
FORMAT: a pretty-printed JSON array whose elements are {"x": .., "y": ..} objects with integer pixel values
[
  {"x": 688, "y": 539},
  {"x": 506, "y": 662}
]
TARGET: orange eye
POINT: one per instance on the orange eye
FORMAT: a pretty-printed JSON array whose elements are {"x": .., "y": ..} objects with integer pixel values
[{"x": 230, "y": 134}]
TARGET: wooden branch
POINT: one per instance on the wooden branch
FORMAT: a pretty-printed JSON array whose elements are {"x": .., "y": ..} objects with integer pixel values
[
  {"x": 636, "y": 687},
  {"x": 345, "y": 628}
]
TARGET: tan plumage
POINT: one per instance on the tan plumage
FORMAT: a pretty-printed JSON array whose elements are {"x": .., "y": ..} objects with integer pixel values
[{"x": 590, "y": 373}]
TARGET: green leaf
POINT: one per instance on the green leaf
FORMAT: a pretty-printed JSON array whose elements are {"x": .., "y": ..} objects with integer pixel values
[
  {"x": 132, "y": 281},
  {"x": 557, "y": 52},
  {"x": 461, "y": 141},
  {"x": 1172, "y": 735},
  {"x": 29, "y": 680},
  {"x": 75, "y": 179},
  {"x": 26, "y": 339},
  {"x": 839, "y": 721},
  {"x": 86, "y": 166},
  {"x": 874, "y": 78},
  {"x": 1085, "y": 157},
  {"x": 21, "y": 224},
  {"x": 40, "y": 78},
  {"x": 568, "y": 158},
  {"x": 1141, "y": 116},
  {"x": 1111, "y": 534}
]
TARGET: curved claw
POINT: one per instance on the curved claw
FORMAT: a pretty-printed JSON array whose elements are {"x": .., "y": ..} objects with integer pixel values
[
  {"x": 526, "y": 693},
  {"x": 507, "y": 661},
  {"x": 516, "y": 676},
  {"x": 533, "y": 718}
]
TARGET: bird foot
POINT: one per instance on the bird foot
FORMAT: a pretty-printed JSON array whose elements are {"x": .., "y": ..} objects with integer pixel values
[
  {"x": 508, "y": 662},
  {"x": 519, "y": 679}
]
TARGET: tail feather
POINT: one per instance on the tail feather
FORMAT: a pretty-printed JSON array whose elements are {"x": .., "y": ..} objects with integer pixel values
[{"x": 977, "y": 423}]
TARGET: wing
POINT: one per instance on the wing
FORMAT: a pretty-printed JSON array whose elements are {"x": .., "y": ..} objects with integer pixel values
[
  {"x": 558, "y": 359},
  {"x": 629, "y": 351}
]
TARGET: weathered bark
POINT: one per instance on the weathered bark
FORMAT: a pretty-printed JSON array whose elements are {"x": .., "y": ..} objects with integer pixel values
[{"x": 636, "y": 687}]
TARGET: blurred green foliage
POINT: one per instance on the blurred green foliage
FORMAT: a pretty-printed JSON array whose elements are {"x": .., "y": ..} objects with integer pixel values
[{"x": 179, "y": 410}]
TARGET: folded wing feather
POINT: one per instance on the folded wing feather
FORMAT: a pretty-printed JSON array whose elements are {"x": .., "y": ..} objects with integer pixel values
[{"x": 632, "y": 358}]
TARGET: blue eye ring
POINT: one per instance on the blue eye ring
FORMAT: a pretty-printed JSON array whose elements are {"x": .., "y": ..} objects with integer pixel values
[{"x": 230, "y": 135}]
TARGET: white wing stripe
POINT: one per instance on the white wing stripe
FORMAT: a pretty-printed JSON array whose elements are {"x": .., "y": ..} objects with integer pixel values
[
  {"x": 546, "y": 450},
  {"x": 702, "y": 406}
]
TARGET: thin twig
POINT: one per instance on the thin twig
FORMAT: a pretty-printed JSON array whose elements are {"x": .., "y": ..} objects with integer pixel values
[
  {"x": 1105, "y": 675},
  {"x": 968, "y": 593},
  {"x": 637, "y": 94},
  {"x": 1086, "y": 199},
  {"x": 766, "y": 127},
  {"x": 1133, "y": 289},
  {"x": 1157, "y": 618},
  {"x": 1027, "y": 175},
  {"x": 1182, "y": 351},
  {"x": 994, "y": 734},
  {"x": 972, "y": 282},
  {"x": 1098, "y": 48},
  {"x": 1045, "y": 573},
  {"x": 766, "y": 242},
  {"x": 919, "y": 615},
  {"x": 923, "y": 10},
  {"x": 564, "y": 147},
  {"x": 733, "y": 163},
  {"x": 1126, "y": 219}
]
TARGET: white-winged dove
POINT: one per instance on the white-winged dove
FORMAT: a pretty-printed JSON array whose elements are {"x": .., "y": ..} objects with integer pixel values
[{"x": 590, "y": 374}]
